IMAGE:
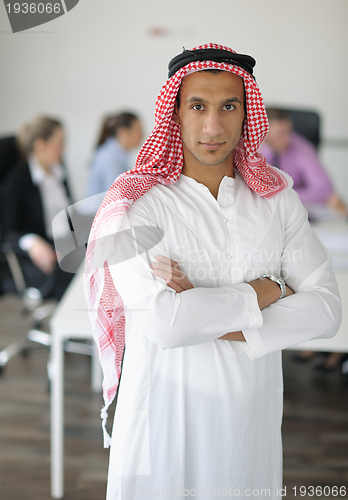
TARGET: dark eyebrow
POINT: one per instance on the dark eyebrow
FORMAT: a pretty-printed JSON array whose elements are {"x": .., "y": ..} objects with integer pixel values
[
  {"x": 195, "y": 99},
  {"x": 226, "y": 101},
  {"x": 232, "y": 99}
]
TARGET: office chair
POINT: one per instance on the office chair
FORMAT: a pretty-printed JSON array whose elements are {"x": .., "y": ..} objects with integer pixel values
[
  {"x": 9, "y": 156},
  {"x": 12, "y": 278},
  {"x": 306, "y": 123}
]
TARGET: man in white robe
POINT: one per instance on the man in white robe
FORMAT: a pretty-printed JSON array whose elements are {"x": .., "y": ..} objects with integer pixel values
[{"x": 199, "y": 406}]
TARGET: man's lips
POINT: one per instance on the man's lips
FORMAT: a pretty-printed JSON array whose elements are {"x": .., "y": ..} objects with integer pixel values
[{"x": 211, "y": 145}]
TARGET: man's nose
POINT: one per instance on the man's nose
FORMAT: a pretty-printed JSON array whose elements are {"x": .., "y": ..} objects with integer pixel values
[{"x": 213, "y": 125}]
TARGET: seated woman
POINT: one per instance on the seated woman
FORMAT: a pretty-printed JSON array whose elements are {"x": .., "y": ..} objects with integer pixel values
[
  {"x": 119, "y": 135},
  {"x": 35, "y": 192}
]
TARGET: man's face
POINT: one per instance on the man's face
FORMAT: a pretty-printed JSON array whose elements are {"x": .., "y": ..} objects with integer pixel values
[
  {"x": 279, "y": 135},
  {"x": 210, "y": 115}
]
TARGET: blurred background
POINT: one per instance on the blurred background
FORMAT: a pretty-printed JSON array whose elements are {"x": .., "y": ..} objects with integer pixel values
[
  {"x": 111, "y": 55},
  {"x": 104, "y": 56}
]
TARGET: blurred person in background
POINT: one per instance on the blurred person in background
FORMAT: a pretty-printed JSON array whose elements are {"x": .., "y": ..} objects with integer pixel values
[
  {"x": 35, "y": 191},
  {"x": 295, "y": 155},
  {"x": 120, "y": 134}
]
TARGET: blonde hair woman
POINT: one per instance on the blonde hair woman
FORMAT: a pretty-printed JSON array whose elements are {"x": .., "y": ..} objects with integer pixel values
[{"x": 35, "y": 192}]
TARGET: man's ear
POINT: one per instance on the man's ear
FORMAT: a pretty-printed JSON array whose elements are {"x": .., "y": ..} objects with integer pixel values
[{"x": 176, "y": 113}]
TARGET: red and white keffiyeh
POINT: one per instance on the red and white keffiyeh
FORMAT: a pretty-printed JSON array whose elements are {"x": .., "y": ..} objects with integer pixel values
[{"x": 160, "y": 161}]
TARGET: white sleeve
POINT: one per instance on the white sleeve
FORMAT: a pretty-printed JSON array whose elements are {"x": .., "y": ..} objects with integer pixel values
[
  {"x": 315, "y": 308},
  {"x": 167, "y": 318}
]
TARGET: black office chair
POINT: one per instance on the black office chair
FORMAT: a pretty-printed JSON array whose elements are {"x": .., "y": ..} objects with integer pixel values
[
  {"x": 9, "y": 156},
  {"x": 12, "y": 278}
]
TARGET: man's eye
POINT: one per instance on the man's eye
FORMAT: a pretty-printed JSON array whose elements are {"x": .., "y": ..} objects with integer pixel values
[
  {"x": 229, "y": 107},
  {"x": 197, "y": 107}
]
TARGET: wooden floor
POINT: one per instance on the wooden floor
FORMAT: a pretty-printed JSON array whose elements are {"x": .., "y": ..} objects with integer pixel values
[{"x": 315, "y": 429}]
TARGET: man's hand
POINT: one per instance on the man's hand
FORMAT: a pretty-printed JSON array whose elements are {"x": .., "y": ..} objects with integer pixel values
[
  {"x": 267, "y": 291},
  {"x": 235, "y": 336},
  {"x": 170, "y": 271},
  {"x": 42, "y": 255},
  {"x": 335, "y": 202}
]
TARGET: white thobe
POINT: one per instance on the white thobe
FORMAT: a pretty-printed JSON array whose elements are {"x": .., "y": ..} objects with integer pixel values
[{"x": 197, "y": 416}]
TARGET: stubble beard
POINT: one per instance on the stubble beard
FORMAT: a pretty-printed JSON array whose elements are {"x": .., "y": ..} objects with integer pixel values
[{"x": 211, "y": 158}]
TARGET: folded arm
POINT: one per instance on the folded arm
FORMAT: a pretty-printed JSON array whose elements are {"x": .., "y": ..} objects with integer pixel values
[
  {"x": 266, "y": 290},
  {"x": 315, "y": 308},
  {"x": 171, "y": 319},
  {"x": 167, "y": 318}
]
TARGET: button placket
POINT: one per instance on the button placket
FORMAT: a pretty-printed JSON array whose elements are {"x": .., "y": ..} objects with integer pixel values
[
  {"x": 228, "y": 252},
  {"x": 226, "y": 202}
]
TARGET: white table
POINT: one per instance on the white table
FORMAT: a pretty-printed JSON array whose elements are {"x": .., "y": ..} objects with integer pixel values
[
  {"x": 338, "y": 343},
  {"x": 334, "y": 235},
  {"x": 70, "y": 320}
]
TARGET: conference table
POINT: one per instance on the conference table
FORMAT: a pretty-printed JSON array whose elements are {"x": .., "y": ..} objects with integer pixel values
[
  {"x": 70, "y": 321},
  {"x": 334, "y": 235}
]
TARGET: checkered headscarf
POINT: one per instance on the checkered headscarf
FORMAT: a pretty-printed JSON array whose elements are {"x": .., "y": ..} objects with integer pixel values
[{"x": 160, "y": 160}]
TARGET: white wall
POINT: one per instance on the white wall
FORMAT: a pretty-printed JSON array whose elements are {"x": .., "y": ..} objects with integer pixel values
[{"x": 102, "y": 57}]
